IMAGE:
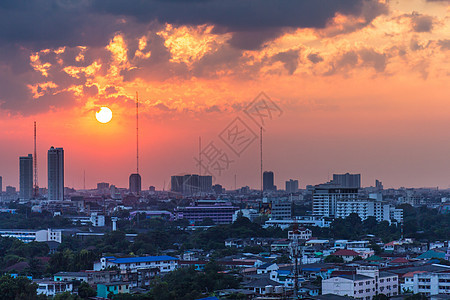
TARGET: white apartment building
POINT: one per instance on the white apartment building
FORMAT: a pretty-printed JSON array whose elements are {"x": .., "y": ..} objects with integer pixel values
[
  {"x": 368, "y": 208},
  {"x": 28, "y": 236},
  {"x": 428, "y": 283},
  {"x": 163, "y": 263},
  {"x": 326, "y": 196},
  {"x": 301, "y": 221},
  {"x": 364, "y": 285}
]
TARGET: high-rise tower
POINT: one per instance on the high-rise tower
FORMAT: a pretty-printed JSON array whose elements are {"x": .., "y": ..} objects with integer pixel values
[
  {"x": 55, "y": 174},
  {"x": 26, "y": 177}
]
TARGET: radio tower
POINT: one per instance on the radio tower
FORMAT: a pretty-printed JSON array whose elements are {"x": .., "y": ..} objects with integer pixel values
[
  {"x": 137, "y": 133},
  {"x": 261, "y": 153},
  {"x": 36, "y": 186}
]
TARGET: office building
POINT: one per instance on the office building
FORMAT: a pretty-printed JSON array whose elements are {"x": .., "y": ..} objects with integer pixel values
[
  {"x": 325, "y": 197},
  {"x": 347, "y": 180},
  {"x": 1, "y": 184},
  {"x": 191, "y": 183},
  {"x": 135, "y": 184},
  {"x": 26, "y": 177},
  {"x": 55, "y": 160},
  {"x": 268, "y": 184},
  {"x": 291, "y": 186}
]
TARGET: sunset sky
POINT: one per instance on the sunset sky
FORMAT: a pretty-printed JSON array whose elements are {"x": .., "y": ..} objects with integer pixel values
[{"x": 361, "y": 86}]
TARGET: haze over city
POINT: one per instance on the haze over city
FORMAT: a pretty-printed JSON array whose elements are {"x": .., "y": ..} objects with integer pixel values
[{"x": 362, "y": 86}]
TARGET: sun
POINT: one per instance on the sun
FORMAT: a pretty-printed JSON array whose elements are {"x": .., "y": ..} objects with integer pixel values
[{"x": 104, "y": 115}]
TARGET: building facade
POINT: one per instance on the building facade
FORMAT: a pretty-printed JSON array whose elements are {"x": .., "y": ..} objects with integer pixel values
[
  {"x": 26, "y": 177},
  {"x": 55, "y": 159}
]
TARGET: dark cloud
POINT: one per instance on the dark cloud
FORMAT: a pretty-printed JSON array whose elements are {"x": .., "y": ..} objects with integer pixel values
[
  {"x": 421, "y": 23},
  {"x": 28, "y": 26},
  {"x": 43, "y": 23},
  {"x": 373, "y": 59},
  {"x": 444, "y": 44},
  {"x": 359, "y": 58},
  {"x": 315, "y": 58},
  {"x": 289, "y": 59}
]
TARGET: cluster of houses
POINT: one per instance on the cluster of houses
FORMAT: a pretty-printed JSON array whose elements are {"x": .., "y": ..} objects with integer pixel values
[{"x": 309, "y": 268}]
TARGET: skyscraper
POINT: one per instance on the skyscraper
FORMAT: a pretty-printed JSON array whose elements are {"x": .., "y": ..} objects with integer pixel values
[
  {"x": 26, "y": 177},
  {"x": 268, "y": 181},
  {"x": 55, "y": 173},
  {"x": 1, "y": 184},
  {"x": 135, "y": 184},
  {"x": 347, "y": 180},
  {"x": 292, "y": 186}
]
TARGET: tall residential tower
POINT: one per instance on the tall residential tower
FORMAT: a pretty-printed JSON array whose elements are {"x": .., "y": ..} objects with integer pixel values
[
  {"x": 26, "y": 177},
  {"x": 55, "y": 174}
]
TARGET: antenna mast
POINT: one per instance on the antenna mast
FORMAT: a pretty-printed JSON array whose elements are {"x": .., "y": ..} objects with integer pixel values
[
  {"x": 36, "y": 186},
  {"x": 261, "y": 153},
  {"x": 199, "y": 155},
  {"x": 137, "y": 133}
]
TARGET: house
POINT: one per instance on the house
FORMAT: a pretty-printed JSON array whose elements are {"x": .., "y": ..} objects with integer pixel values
[
  {"x": 301, "y": 234},
  {"x": 263, "y": 286},
  {"x": 309, "y": 289},
  {"x": 267, "y": 268},
  {"x": 52, "y": 288},
  {"x": 104, "y": 289},
  {"x": 347, "y": 255},
  {"x": 164, "y": 263}
]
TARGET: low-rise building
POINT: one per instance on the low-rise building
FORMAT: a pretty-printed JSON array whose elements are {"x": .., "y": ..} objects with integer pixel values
[
  {"x": 163, "y": 263},
  {"x": 27, "y": 236},
  {"x": 52, "y": 288}
]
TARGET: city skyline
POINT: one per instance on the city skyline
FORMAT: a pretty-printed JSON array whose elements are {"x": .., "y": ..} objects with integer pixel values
[{"x": 362, "y": 86}]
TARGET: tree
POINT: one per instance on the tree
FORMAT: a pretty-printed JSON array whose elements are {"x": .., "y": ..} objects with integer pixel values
[
  {"x": 85, "y": 291},
  {"x": 66, "y": 296},
  {"x": 380, "y": 297},
  {"x": 334, "y": 259},
  {"x": 19, "y": 288}
]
